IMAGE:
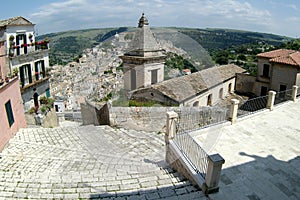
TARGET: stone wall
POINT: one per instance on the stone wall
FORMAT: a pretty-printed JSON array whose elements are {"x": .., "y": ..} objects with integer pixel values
[
  {"x": 49, "y": 120},
  {"x": 94, "y": 114},
  {"x": 245, "y": 83},
  {"x": 145, "y": 118}
]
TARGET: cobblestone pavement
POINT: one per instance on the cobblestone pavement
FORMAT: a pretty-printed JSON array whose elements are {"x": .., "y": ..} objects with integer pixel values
[{"x": 89, "y": 162}]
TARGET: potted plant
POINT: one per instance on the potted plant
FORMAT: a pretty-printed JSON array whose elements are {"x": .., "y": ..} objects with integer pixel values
[
  {"x": 15, "y": 71},
  {"x": 30, "y": 37}
]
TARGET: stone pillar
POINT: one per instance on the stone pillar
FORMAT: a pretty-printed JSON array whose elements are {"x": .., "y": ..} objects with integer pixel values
[
  {"x": 271, "y": 100},
  {"x": 294, "y": 93},
  {"x": 233, "y": 110},
  {"x": 213, "y": 173},
  {"x": 172, "y": 117}
]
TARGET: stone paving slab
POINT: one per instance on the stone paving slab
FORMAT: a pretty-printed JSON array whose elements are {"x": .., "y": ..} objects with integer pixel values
[
  {"x": 88, "y": 162},
  {"x": 262, "y": 155}
]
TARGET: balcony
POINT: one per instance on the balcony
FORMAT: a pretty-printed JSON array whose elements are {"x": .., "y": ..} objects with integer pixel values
[
  {"x": 22, "y": 51},
  {"x": 35, "y": 84},
  {"x": 7, "y": 81}
]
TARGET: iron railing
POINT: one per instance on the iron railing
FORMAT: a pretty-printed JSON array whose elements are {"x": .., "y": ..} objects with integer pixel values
[
  {"x": 70, "y": 116},
  {"x": 252, "y": 105},
  {"x": 191, "y": 121},
  {"x": 192, "y": 151},
  {"x": 283, "y": 96},
  {"x": 208, "y": 116}
]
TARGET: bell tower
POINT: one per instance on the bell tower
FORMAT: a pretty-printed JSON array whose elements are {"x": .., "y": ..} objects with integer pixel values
[{"x": 143, "y": 64}]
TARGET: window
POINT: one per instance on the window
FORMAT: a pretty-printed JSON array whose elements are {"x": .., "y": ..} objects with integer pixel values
[
  {"x": 133, "y": 79},
  {"x": 9, "y": 113},
  {"x": 209, "y": 100},
  {"x": 20, "y": 41},
  {"x": 25, "y": 74},
  {"x": 196, "y": 104},
  {"x": 39, "y": 68},
  {"x": 154, "y": 76},
  {"x": 229, "y": 87},
  {"x": 221, "y": 93},
  {"x": 266, "y": 69},
  {"x": 263, "y": 91}
]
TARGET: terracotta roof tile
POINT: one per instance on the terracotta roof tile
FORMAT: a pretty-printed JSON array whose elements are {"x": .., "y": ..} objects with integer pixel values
[
  {"x": 283, "y": 56},
  {"x": 276, "y": 53},
  {"x": 187, "y": 86}
]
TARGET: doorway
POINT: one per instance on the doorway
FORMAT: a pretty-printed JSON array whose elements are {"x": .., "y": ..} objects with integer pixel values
[
  {"x": 36, "y": 100},
  {"x": 209, "y": 100},
  {"x": 263, "y": 91}
]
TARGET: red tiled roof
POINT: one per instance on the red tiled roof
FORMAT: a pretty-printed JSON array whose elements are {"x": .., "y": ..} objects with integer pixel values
[
  {"x": 283, "y": 56},
  {"x": 276, "y": 53}
]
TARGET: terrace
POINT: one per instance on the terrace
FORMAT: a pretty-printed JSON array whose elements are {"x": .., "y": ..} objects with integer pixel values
[{"x": 260, "y": 148}]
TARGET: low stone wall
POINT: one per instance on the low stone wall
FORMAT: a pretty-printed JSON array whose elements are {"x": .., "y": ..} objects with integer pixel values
[
  {"x": 94, "y": 114},
  {"x": 145, "y": 118},
  {"x": 139, "y": 118},
  {"x": 47, "y": 121}
]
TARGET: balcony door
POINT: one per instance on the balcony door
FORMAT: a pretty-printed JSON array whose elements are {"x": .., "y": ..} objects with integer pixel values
[
  {"x": 21, "y": 41},
  {"x": 25, "y": 75}
]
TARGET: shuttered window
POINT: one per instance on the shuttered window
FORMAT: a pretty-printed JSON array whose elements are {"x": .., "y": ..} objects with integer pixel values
[{"x": 9, "y": 113}]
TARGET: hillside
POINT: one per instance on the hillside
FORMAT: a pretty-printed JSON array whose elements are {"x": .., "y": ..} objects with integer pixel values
[{"x": 67, "y": 46}]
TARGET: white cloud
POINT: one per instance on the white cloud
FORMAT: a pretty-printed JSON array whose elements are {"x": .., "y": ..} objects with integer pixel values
[{"x": 78, "y": 14}]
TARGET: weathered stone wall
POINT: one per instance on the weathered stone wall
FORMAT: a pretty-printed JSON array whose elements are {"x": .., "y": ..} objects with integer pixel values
[
  {"x": 94, "y": 114},
  {"x": 49, "y": 120},
  {"x": 245, "y": 83},
  {"x": 145, "y": 118}
]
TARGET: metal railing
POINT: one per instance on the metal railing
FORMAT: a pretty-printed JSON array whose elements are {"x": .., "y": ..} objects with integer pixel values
[
  {"x": 283, "y": 96},
  {"x": 70, "y": 116},
  {"x": 252, "y": 105},
  {"x": 194, "y": 120},
  {"x": 192, "y": 151},
  {"x": 199, "y": 119}
]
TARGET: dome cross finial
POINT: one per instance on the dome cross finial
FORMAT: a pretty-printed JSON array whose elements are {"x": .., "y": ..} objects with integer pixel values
[{"x": 143, "y": 21}]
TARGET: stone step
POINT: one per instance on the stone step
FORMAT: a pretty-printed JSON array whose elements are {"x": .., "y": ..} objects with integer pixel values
[{"x": 89, "y": 162}]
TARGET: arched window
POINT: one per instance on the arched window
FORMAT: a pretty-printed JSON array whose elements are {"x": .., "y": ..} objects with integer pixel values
[
  {"x": 221, "y": 93},
  {"x": 229, "y": 87},
  {"x": 196, "y": 104},
  {"x": 209, "y": 100}
]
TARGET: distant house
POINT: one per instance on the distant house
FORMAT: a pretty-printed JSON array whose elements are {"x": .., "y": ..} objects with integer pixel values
[
  {"x": 186, "y": 71},
  {"x": 12, "y": 116},
  {"x": 277, "y": 70},
  {"x": 203, "y": 88},
  {"x": 21, "y": 54}
]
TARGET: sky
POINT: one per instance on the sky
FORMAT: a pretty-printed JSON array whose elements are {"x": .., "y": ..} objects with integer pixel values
[{"x": 267, "y": 16}]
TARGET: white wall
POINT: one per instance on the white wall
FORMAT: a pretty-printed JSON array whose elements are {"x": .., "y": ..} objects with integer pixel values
[{"x": 203, "y": 98}]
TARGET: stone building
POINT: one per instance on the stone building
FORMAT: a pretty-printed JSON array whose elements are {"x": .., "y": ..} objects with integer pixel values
[
  {"x": 21, "y": 54},
  {"x": 143, "y": 64},
  {"x": 277, "y": 70},
  {"x": 203, "y": 88},
  {"x": 143, "y": 68}
]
